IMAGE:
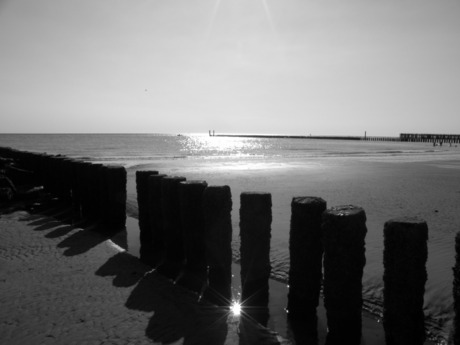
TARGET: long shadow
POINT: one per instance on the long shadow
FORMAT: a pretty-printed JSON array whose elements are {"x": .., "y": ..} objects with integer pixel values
[
  {"x": 177, "y": 313},
  {"x": 126, "y": 269},
  {"x": 59, "y": 232},
  {"x": 81, "y": 241}
]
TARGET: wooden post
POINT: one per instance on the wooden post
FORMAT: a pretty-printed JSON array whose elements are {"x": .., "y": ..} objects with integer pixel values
[
  {"x": 344, "y": 230},
  {"x": 255, "y": 233},
  {"x": 155, "y": 256},
  {"x": 145, "y": 235},
  {"x": 84, "y": 178},
  {"x": 103, "y": 192},
  {"x": 456, "y": 292},
  {"x": 404, "y": 258},
  {"x": 306, "y": 258},
  {"x": 116, "y": 198},
  {"x": 217, "y": 209},
  {"x": 172, "y": 227},
  {"x": 94, "y": 191},
  {"x": 191, "y": 211}
]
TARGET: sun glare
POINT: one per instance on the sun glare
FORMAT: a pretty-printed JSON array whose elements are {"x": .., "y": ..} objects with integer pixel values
[{"x": 236, "y": 308}]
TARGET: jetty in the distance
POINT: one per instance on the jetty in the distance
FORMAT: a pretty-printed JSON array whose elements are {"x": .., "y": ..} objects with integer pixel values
[{"x": 403, "y": 137}]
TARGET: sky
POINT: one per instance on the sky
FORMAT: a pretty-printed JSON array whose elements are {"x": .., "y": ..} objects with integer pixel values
[{"x": 319, "y": 67}]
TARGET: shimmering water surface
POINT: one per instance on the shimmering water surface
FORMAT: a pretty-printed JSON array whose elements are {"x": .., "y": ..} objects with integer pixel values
[{"x": 387, "y": 179}]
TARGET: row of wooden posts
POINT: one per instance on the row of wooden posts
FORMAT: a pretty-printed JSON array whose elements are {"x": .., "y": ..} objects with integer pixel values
[
  {"x": 97, "y": 192},
  {"x": 186, "y": 233},
  {"x": 186, "y": 229}
]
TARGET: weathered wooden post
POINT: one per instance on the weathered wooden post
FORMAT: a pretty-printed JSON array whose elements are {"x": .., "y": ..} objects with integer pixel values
[
  {"x": 142, "y": 189},
  {"x": 306, "y": 259},
  {"x": 191, "y": 212},
  {"x": 404, "y": 258},
  {"x": 217, "y": 209},
  {"x": 103, "y": 191},
  {"x": 116, "y": 198},
  {"x": 155, "y": 256},
  {"x": 95, "y": 211},
  {"x": 255, "y": 234},
  {"x": 62, "y": 171},
  {"x": 344, "y": 230},
  {"x": 84, "y": 174},
  {"x": 456, "y": 292},
  {"x": 172, "y": 227},
  {"x": 78, "y": 188}
]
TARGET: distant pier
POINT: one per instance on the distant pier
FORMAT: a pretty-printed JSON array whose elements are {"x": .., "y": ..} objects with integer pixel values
[
  {"x": 403, "y": 137},
  {"x": 431, "y": 138}
]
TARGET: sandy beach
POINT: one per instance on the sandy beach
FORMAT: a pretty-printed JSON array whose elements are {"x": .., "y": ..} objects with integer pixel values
[
  {"x": 65, "y": 284},
  {"x": 385, "y": 186}
]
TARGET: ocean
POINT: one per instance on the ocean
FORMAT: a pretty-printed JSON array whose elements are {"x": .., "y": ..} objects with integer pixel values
[{"x": 387, "y": 179}]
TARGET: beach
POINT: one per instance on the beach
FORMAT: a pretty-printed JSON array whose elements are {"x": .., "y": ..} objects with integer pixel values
[
  {"x": 64, "y": 284},
  {"x": 387, "y": 180},
  {"x": 385, "y": 187}
]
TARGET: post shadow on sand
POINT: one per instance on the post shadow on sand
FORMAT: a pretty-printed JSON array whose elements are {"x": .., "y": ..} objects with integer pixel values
[
  {"x": 304, "y": 328},
  {"x": 126, "y": 269},
  {"x": 82, "y": 241},
  {"x": 177, "y": 313}
]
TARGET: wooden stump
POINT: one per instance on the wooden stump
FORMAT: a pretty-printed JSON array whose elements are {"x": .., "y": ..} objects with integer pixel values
[
  {"x": 145, "y": 235},
  {"x": 217, "y": 208},
  {"x": 191, "y": 211},
  {"x": 255, "y": 233},
  {"x": 404, "y": 258},
  {"x": 172, "y": 227},
  {"x": 344, "y": 230}
]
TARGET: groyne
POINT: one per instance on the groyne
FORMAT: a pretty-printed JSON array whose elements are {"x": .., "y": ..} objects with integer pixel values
[
  {"x": 96, "y": 193},
  {"x": 403, "y": 137},
  {"x": 185, "y": 233}
]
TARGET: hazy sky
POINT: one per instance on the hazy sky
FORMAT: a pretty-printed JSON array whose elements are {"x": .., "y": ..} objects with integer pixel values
[{"x": 257, "y": 66}]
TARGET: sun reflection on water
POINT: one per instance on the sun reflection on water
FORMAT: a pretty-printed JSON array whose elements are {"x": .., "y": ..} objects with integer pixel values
[{"x": 222, "y": 146}]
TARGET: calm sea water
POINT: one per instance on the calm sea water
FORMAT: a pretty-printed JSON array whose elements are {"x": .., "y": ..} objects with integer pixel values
[{"x": 387, "y": 179}]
